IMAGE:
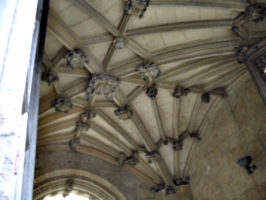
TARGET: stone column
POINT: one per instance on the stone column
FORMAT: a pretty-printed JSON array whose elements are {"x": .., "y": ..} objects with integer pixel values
[{"x": 17, "y": 22}]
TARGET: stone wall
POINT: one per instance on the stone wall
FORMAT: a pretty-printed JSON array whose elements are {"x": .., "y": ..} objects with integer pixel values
[{"x": 238, "y": 129}]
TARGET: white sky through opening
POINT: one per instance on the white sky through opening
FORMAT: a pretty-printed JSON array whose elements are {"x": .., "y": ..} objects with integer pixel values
[{"x": 69, "y": 197}]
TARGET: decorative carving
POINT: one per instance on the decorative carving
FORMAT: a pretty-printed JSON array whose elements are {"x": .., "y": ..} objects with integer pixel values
[
  {"x": 181, "y": 181},
  {"x": 120, "y": 42},
  {"x": 152, "y": 91},
  {"x": 131, "y": 160},
  {"x": 261, "y": 63},
  {"x": 255, "y": 13},
  {"x": 170, "y": 190},
  {"x": 180, "y": 91},
  {"x": 69, "y": 185},
  {"x": 148, "y": 71},
  {"x": 178, "y": 145},
  {"x": 153, "y": 157},
  {"x": 121, "y": 159},
  {"x": 159, "y": 187},
  {"x": 102, "y": 84},
  {"x": 240, "y": 53},
  {"x": 88, "y": 114},
  {"x": 205, "y": 98},
  {"x": 49, "y": 76},
  {"x": 235, "y": 29},
  {"x": 74, "y": 143},
  {"x": 124, "y": 113},
  {"x": 136, "y": 7},
  {"x": 76, "y": 58},
  {"x": 195, "y": 135},
  {"x": 245, "y": 162},
  {"x": 63, "y": 105},
  {"x": 82, "y": 126}
]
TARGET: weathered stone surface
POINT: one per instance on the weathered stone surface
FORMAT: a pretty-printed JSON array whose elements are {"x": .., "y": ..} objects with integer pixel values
[{"x": 237, "y": 131}]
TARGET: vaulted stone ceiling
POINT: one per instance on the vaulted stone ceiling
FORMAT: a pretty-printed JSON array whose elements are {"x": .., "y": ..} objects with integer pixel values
[{"x": 139, "y": 93}]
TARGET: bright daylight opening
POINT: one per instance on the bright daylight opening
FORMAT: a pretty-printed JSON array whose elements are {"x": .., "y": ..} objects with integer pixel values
[{"x": 69, "y": 197}]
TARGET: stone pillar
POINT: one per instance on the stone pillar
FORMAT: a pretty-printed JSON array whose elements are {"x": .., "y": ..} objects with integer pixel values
[{"x": 17, "y": 22}]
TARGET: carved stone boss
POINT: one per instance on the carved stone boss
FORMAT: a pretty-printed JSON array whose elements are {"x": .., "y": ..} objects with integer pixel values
[
  {"x": 74, "y": 143},
  {"x": 82, "y": 125},
  {"x": 89, "y": 113},
  {"x": 182, "y": 181},
  {"x": 102, "y": 84},
  {"x": 63, "y": 105},
  {"x": 148, "y": 71},
  {"x": 153, "y": 157},
  {"x": 152, "y": 91},
  {"x": 136, "y": 7},
  {"x": 180, "y": 91},
  {"x": 205, "y": 97},
  {"x": 130, "y": 160},
  {"x": 69, "y": 185},
  {"x": 76, "y": 58},
  {"x": 170, "y": 190},
  {"x": 240, "y": 53},
  {"x": 158, "y": 188},
  {"x": 49, "y": 76},
  {"x": 178, "y": 145},
  {"x": 120, "y": 42},
  {"x": 255, "y": 13},
  {"x": 195, "y": 135},
  {"x": 124, "y": 113}
]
